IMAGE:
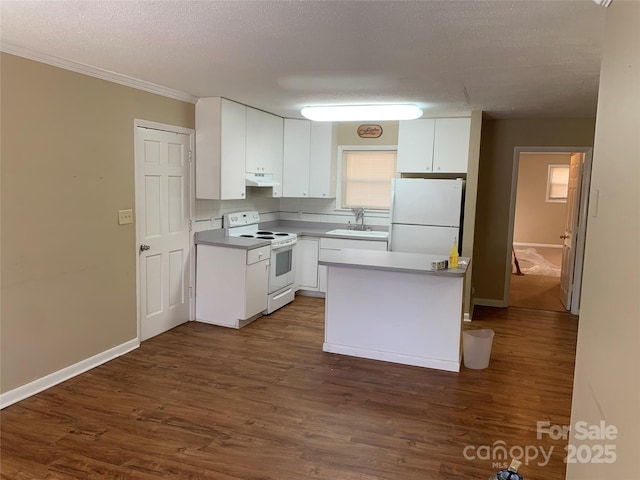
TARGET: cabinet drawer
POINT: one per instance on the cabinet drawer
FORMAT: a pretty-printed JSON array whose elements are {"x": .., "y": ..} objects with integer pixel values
[
  {"x": 340, "y": 243},
  {"x": 258, "y": 254}
]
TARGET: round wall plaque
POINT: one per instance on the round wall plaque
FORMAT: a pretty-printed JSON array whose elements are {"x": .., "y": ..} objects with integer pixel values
[{"x": 369, "y": 131}]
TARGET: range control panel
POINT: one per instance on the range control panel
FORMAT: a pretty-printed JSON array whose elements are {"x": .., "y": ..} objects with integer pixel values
[{"x": 239, "y": 219}]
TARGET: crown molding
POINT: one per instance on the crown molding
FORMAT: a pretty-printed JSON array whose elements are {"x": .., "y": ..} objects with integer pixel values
[{"x": 12, "y": 49}]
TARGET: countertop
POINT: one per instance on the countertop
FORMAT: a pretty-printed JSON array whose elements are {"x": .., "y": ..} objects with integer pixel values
[
  {"x": 390, "y": 261},
  {"x": 218, "y": 238}
]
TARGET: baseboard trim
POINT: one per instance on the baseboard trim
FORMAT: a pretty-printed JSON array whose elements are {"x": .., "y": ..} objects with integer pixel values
[
  {"x": 468, "y": 316},
  {"x": 490, "y": 302},
  {"x": 37, "y": 386},
  {"x": 393, "y": 357},
  {"x": 541, "y": 245},
  {"x": 310, "y": 293}
]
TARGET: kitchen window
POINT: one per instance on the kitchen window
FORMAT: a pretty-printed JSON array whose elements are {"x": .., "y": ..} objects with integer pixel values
[
  {"x": 557, "y": 183},
  {"x": 365, "y": 176}
]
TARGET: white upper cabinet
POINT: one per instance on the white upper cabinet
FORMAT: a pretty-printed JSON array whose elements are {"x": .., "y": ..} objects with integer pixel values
[
  {"x": 297, "y": 138},
  {"x": 439, "y": 145},
  {"x": 265, "y": 144},
  {"x": 451, "y": 145},
  {"x": 415, "y": 145},
  {"x": 321, "y": 164},
  {"x": 220, "y": 149},
  {"x": 308, "y": 159}
]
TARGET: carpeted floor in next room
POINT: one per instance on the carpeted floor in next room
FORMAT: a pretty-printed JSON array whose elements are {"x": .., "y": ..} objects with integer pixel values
[{"x": 533, "y": 290}]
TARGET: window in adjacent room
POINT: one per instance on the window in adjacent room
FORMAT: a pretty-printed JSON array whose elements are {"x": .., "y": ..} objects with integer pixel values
[
  {"x": 557, "y": 183},
  {"x": 366, "y": 177}
]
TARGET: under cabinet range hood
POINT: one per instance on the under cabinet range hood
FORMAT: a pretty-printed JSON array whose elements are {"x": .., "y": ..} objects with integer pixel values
[{"x": 261, "y": 180}]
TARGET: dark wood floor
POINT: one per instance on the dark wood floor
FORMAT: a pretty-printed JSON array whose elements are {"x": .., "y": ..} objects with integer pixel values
[{"x": 265, "y": 402}]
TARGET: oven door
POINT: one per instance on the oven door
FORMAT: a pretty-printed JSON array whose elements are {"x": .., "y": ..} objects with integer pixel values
[{"x": 282, "y": 269}]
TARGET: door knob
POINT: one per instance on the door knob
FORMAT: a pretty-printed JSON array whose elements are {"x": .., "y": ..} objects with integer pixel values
[{"x": 144, "y": 247}]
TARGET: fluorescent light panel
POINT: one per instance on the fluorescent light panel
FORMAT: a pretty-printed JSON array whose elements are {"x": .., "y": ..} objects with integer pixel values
[{"x": 354, "y": 113}]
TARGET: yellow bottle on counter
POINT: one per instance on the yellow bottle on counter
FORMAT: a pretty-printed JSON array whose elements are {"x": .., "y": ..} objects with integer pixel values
[{"x": 453, "y": 254}]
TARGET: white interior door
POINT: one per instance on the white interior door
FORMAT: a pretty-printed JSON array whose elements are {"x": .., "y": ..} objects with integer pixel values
[
  {"x": 571, "y": 223},
  {"x": 163, "y": 224}
]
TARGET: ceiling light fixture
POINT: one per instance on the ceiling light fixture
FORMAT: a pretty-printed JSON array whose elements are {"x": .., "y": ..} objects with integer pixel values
[{"x": 356, "y": 113}]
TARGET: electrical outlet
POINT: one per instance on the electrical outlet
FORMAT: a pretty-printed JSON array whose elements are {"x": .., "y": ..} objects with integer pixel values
[
  {"x": 125, "y": 216},
  {"x": 300, "y": 215}
]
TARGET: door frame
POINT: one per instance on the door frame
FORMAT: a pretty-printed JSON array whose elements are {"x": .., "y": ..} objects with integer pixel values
[
  {"x": 581, "y": 230},
  {"x": 138, "y": 201}
]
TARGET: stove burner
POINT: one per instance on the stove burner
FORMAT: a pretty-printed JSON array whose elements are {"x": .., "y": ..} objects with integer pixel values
[
  {"x": 263, "y": 232},
  {"x": 266, "y": 237},
  {"x": 247, "y": 236},
  {"x": 282, "y": 234}
]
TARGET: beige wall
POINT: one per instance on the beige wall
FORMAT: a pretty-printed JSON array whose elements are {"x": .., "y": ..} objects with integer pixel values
[
  {"x": 536, "y": 220},
  {"x": 499, "y": 138},
  {"x": 470, "y": 203},
  {"x": 607, "y": 373},
  {"x": 68, "y": 270}
]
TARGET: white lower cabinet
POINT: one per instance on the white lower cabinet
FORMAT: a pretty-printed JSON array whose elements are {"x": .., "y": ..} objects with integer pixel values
[
  {"x": 231, "y": 284},
  {"x": 328, "y": 244},
  {"x": 313, "y": 277},
  {"x": 340, "y": 243},
  {"x": 307, "y": 250}
]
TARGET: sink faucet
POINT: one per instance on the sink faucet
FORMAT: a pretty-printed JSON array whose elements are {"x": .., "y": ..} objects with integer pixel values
[{"x": 359, "y": 213}]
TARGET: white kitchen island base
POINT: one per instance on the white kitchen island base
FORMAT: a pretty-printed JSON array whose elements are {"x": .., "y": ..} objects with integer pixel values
[{"x": 391, "y": 306}]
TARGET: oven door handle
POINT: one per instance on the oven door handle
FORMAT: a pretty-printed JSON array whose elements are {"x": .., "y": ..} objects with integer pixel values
[{"x": 280, "y": 247}]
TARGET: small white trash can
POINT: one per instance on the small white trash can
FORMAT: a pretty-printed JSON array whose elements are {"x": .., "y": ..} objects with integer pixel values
[{"x": 476, "y": 346}]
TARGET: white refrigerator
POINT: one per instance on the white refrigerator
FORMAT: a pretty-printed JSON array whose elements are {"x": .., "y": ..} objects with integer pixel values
[{"x": 425, "y": 215}]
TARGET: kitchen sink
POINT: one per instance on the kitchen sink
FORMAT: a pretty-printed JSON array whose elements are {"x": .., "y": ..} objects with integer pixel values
[{"x": 359, "y": 233}]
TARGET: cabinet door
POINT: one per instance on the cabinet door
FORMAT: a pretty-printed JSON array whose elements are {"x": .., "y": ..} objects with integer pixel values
[
  {"x": 340, "y": 243},
  {"x": 322, "y": 278},
  {"x": 321, "y": 165},
  {"x": 295, "y": 174},
  {"x": 264, "y": 142},
  {"x": 307, "y": 263},
  {"x": 415, "y": 145},
  {"x": 220, "y": 149},
  {"x": 451, "y": 145},
  {"x": 232, "y": 150},
  {"x": 256, "y": 288}
]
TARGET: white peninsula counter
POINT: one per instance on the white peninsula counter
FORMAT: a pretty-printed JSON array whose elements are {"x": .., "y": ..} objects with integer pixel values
[{"x": 392, "y": 306}]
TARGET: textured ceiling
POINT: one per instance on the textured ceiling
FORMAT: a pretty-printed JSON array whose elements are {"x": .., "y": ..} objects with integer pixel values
[{"x": 518, "y": 59}]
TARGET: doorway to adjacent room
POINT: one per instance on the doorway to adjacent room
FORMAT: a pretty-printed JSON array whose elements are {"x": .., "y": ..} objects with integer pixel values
[{"x": 548, "y": 221}]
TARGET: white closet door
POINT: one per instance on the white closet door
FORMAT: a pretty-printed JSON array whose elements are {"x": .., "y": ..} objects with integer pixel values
[{"x": 163, "y": 192}]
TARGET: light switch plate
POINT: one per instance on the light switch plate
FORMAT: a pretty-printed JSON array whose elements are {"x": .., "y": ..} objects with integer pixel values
[{"x": 125, "y": 216}]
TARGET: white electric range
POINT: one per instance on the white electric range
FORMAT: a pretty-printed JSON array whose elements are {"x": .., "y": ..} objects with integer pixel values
[{"x": 282, "y": 265}]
